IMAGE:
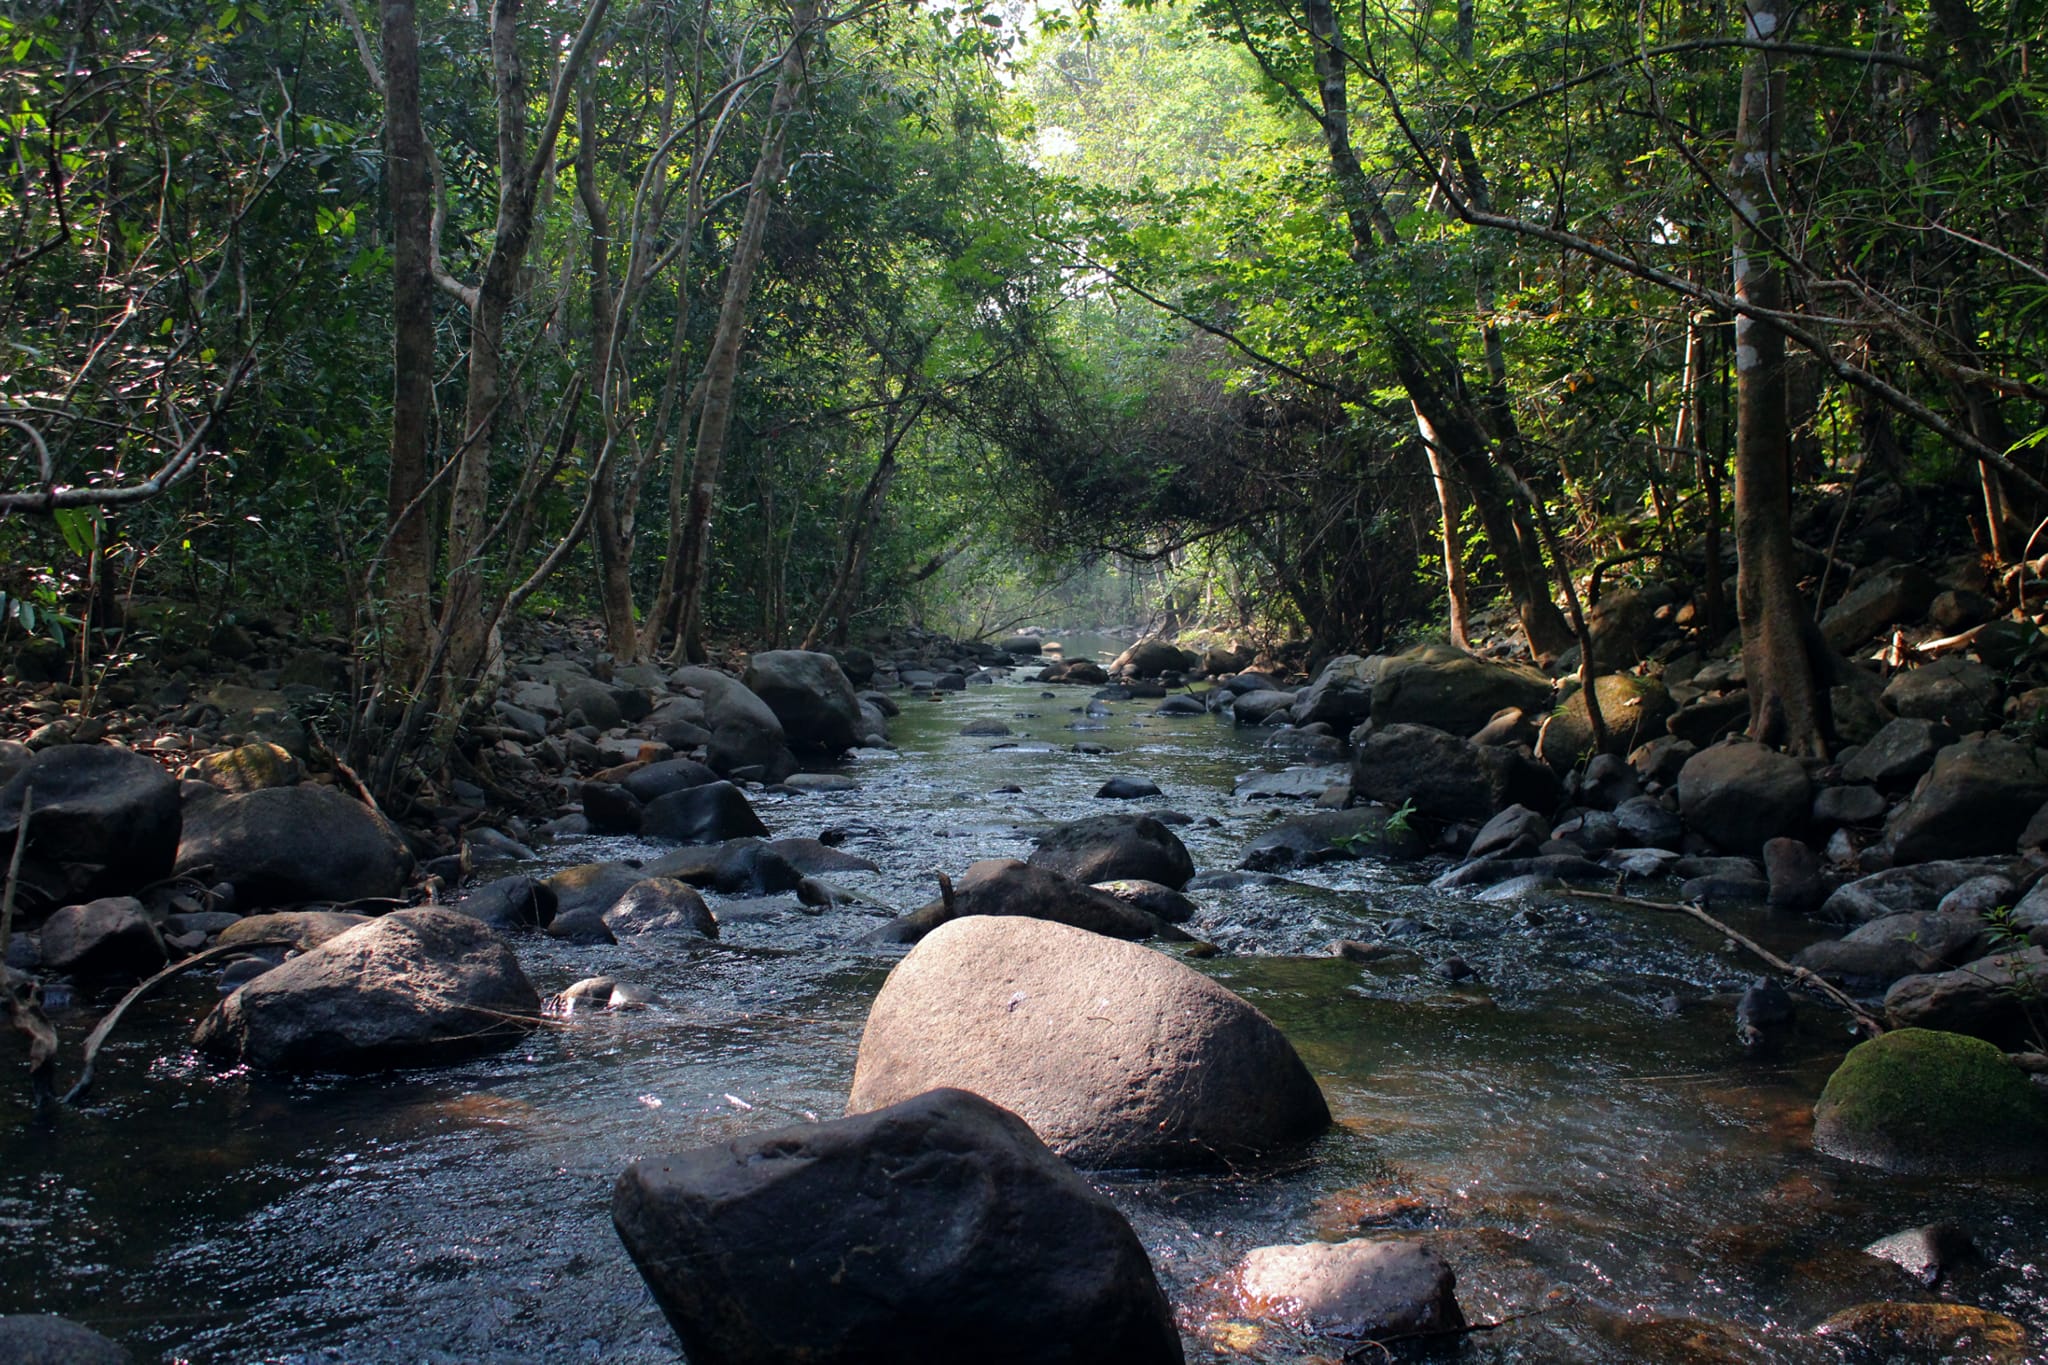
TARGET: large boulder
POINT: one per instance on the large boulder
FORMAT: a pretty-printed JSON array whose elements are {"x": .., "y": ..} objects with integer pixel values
[
  {"x": 1925, "y": 1103},
  {"x": 594, "y": 886},
  {"x": 417, "y": 987},
  {"x": 1740, "y": 795},
  {"x": 1004, "y": 886},
  {"x": 1451, "y": 690},
  {"x": 661, "y": 905},
  {"x": 39, "y": 1339},
  {"x": 1115, "y": 1054},
  {"x": 1882, "y": 598},
  {"x": 810, "y": 696},
  {"x": 1899, "y": 754},
  {"x": 1902, "y": 890},
  {"x": 1341, "y": 695},
  {"x": 111, "y": 936},
  {"x": 937, "y": 1229},
  {"x": 746, "y": 736},
  {"x": 1358, "y": 1289},
  {"x": 1954, "y": 691},
  {"x": 1885, "y": 950},
  {"x": 1976, "y": 799},
  {"x": 1995, "y": 998},
  {"x": 709, "y": 814},
  {"x": 657, "y": 780},
  {"x": 1446, "y": 777},
  {"x": 737, "y": 867},
  {"x": 287, "y": 845},
  {"x": 1633, "y": 710},
  {"x": 1108, "y": 848},
  {"x": 1150, "y": 658},
  {"x": 103, "y": 821}
]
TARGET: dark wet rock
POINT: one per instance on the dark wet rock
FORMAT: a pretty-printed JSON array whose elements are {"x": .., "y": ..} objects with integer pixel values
[
  {"x": 1717, "y": 890},
  {"x": 1521, "y": 887},
  {"x": 1993, "y": 997},
  {"x": 1896, "y": 756},
  {"x": 1004, "y": 886},
  {"x": 1857, "y": 805},
  {"x": 1234, "y": 880},
  {"x": 1115, "y": 1054},
  {"x": 745, "y": 733},
  {"x": 1607, "y": 783},
  {"x": 1126, "y": 789},
  {"x": 937, "y": 1229},
  {"x": 1763, "y": 1013},
  {"x": 1976, "y": 799},
  {"x": 1959, "y": 609},
  {"x": 205, "y": 923},
  {"x": 809, "y": 694},
  {"x": 531, "y": 725},
  {"x": 1152, "y": 898},
  {"x": 1709, "y": 719},
  {"x": 709, "y": 814},
  {"x": 1661, "y": 760},
  {"x": 1262, "y": 708},
  {"x": 1028, "y": 645},
  {"x": 39, "y": 1339},
  {"x": 596, "y": 700},
  {"x": 1639, "y": 862},
  {"x": 581, "y": 925},
  {"x": 1435, "y": 685},
  {"x": 1294, "y": 784},
  {"x": 1925, "y": 1253},
  {"x": 1445, "y": 777},
  {"x": 1793, "y": 870},
  {"x": 1356, "y": 1289},
  {"x": 1634, "y": 710},
  {"x": 1918, "y": 1101},
  {"x": 661, "y": 905},
  {"x": 1107, "y": 848},
  {"x": 1896, "y": 890},
  {"x": 1182, "y": 705},
  {"x": 1645, "y": 822},
  {"x": 1509, "y": 725},
  {"x": 736, "y": 867},
  {"x": 1515, "y": 832},
  {"x": 611, "y": 809},
  {"x": 815, "y": 783},
  {"x": 249, "y": 767},
  {"x": 1896, "y": 1333},
  {"x": 305, "y": 930},
  {"x": 1328, "y": 835},
  {"x": 287, "y": 845},
  {"x": 812, "y": 857},
  {"x": 1895, "y": 595},
  {"x": 1341, "y": 695},
  {"x": 104, "y": 821},
  {"x": 1150, "y": 658},
  {"x": 510, "y": 903},
  {"x": 109, "y": 937},
  {"x": 1876, "y": 954},
  {"x": 985, "y": 729},
  {"x": 1741, "y": 794},
  {"x": 593, "y": 885},
  {"x": 1980, "y": 896},
  {"x": 1593, "y": 831},
  {"x": 657, "y": 780},
  {"x": 1953, "y": 691},
  {"x": 417, "y": 987},
  {"x": 1250, "y": 680}
]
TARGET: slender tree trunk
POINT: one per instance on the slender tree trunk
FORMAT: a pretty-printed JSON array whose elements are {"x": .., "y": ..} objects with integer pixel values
[
  {"x": 721, "y": 371},
  {"x": 409, "y": 560},
  {"x": 611, "y": 525},
  {"x": 1457, "y": 592},
  {"x": 860, "y": 530},
  {"x": 1787, "y": 705}
]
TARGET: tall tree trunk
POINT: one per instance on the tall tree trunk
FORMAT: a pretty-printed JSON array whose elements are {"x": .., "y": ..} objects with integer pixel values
[
  {"x": 409, "y": 558},
  {"x": 611, "y": 525},
  {"x": 1457, "y": 593},
  {"x": 721, "y": 370},
  {"x": 1787, "y": 706},
  {"x": 860, "y": 530}
]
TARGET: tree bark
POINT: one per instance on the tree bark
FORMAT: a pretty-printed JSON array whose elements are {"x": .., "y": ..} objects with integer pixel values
[
  {"x": 721, "y": 370},
  {"x": 409, "y": 558},
  {"x": 612, "y": 525},
  {"x": 1787, "y": 705}
]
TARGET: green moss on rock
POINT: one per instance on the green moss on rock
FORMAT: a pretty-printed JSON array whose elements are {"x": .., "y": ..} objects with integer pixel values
[{"x": 1921, "y": 1102}]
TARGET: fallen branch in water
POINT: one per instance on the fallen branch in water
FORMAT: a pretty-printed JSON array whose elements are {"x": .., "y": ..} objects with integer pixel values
[
  {"x": 24, "y": 1004},
  {"x": 105, "y": 1026},
  {"x": 1864, "y": 1021}
]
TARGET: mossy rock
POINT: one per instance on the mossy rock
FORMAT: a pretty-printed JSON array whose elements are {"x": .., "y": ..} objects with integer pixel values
[
  {"x": 1633, "y": 709},
  {"x": 1920, "y": 1102},
  {"x": 250, "y": 767},
  {"x": 1897, "y": 1333}
]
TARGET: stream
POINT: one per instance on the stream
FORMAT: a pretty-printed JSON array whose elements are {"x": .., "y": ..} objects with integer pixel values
[{"x": 1575, "y": 1124}]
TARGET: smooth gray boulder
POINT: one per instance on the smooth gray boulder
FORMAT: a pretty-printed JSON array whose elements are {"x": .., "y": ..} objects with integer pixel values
[
  {"x": 1451, "y": 690},
  {"x": 1363, "y": 1288},
  {"x": 1445, "y": 777},
  {"x": 290, "y": 845},
  {"x": 1341, "y": 695},
  {"x": 1107, "y": 848},
  {"x": 1976, "y": 799},
  {"x": 809, "y": 694},
  {"x": 661, "y": 905},
  {"x": 1115, "y": 1054},
  {"x": 109, "y": 937},
  {"x": 1741, "y": 795},
  {"x": 746, "y": 735},
  {"x": 104, "y": 821},
  {"x": 937, "y": 1229}
]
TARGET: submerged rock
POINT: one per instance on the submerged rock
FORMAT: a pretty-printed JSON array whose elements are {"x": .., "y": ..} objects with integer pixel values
[
  {"x": 1358, "y": 1289},
  {"x": 1116, "y": 1055},
  {"x": 936, "y": 1229},
  {"x": 1328, "y": 835},
  {"x": 1893, "y": 1333},
  {"x": 40, "y": 1339},
  {"x": 1004, "y": 886},
  {"x": 1925, "y": 1103}
]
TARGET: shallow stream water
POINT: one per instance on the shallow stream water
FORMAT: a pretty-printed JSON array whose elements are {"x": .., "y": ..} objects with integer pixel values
[{"x": 1612, "y": 1178}]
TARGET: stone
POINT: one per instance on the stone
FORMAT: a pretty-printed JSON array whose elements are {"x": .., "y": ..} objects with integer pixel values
[
  {"x": 1451, "y": 690},
  {"x": 1959, "y": 609},
  {"x": 1977, "y": 799},
  {"x": 1105, "y": 848},
  {"x": 1646, "y": 822},
  {"x": 304, "y": 930},
  {"x": 1329, "y": 835},
  {"x": 657, "y": 780},
  {"x": 1994, "y": 998},
  {"x": 1897, "y": 890},
  {"x": 1152, "y": 898},
  {"x": 593, "y": 886},
  {"x": 1028, "y": 645},
  {"x": 936, "y": 1229},
  {"x": 109, "y": 937},
  {"x": 1661, "y": 760},
  {"x": 611, "y": 809},
  {"x": 1898, "y": 755},
  {"x": 1876, "y": 954},
  {"x": 1356, "y": 1289},
  {"x": 1126, "y": 789},
  {"x": 416, "y": 987},
  {"x": 582, "y": 925},
  {"x": 736, "y": 867},
  {"x": 1004, "y": 886},
  {"x": 986, "y": 729},
  {"x": 1859, "y": 805},
  {"x": 104, "y": 821},
  {"x": 289, "y": 845},
  {"x": 745, "y": 732},
  {"x": 1341, "y": 694},
  {"x": 1445, "y": 777},
  {"x": 1269, "y": 707},
  {"x": 510, "y": 903},
  {"x": 661, "y": 905},
  {"x": 709, "y": 814},
  {"x": 249, "y": 767},
  {"x": 1607, "y": 781},
  {"x": 1919, "y": 1102},
  {"x": 1891, "y": 1333},
  {"x": 1979, "y": 896},
  {"x": 1709, "y": 719},
  {"x": 816, "y": 783},
  {"x": 1894, "y": 595},
  {"x": 1149, "y": 659},
  {"x": 1953, "y": 691},
  {"x": 1115, "y": 1054},
  {"x": 1516, "y": 831},
  {"x": 1634, "y": 710},
  {"x": 1793, "y": 871},
  {"x": 1182, "y": 704},
  {"x": 1925, "y": 1253},
  {"x": 1741, "y": 794},
  {"x": 594, "y": 699},
  {"x": 809, "y": 694},
  {"x": 1619, "y": 623},
  {"x": 40, "y": 1339}
]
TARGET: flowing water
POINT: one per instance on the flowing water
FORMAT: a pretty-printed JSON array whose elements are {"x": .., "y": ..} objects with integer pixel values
[{"x": 1575, "y": 1124}]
